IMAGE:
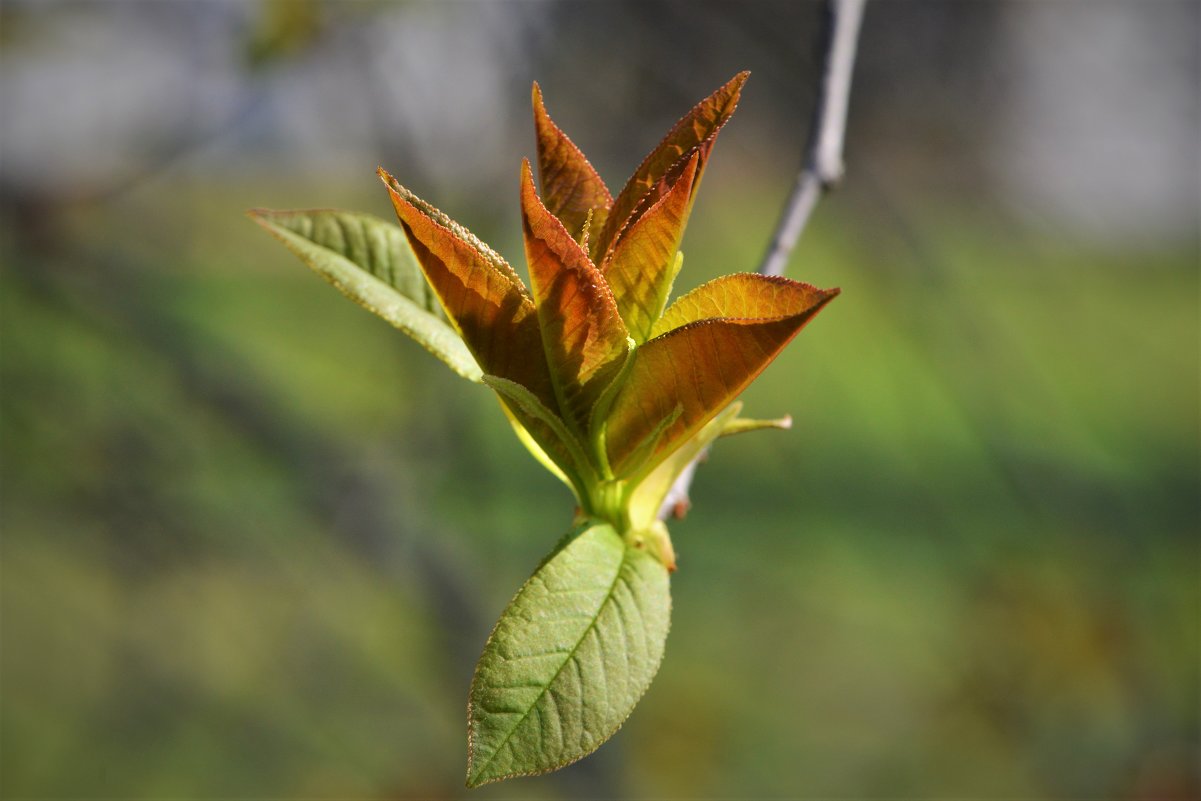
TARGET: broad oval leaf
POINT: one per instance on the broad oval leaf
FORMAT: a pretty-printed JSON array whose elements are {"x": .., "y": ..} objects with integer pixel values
[
  {"x": 571, "y": 187},
  {"x": 695, "y": 132},
  {"x": 370, "y": 262},
  {"x": 481, "y": 294},
  {"x": 582, "y": 332},
  {"x": 704, "y": 365},
  {"x": 570, "y": 657}
]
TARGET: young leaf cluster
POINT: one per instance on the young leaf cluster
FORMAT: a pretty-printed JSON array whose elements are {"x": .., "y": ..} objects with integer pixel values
[{"x": 612, "y": 388}]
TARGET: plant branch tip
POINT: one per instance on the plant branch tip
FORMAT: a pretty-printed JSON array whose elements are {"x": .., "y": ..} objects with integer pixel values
[{"x": 617, "y": 391}]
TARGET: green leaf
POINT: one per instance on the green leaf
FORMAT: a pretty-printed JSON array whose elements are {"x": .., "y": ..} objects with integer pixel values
[
  {"x": 743, "y": 425},
  {"x": 370, "y": 262},
  {"x": 652, "y": 490},
  {"x": 569, "y": 658},
  {"x": 537, "y": 451},
  {"x": 547, "y": 430},
  {"x": 482, "y": 295}
]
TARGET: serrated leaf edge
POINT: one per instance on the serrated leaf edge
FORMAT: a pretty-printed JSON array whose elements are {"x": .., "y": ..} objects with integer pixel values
[
  {"x": 608, "y": 735},
  {"x": 289, "y": 239}
]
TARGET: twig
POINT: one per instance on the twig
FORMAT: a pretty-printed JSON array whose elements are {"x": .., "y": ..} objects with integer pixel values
[
  {"x": 821, "y": 171},
  {"x": 823, "y": 166}
]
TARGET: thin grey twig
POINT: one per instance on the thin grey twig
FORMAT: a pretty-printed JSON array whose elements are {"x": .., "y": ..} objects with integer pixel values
[
  {"x": 822, "y": 168},
  {"x": 821, "y": 171}
]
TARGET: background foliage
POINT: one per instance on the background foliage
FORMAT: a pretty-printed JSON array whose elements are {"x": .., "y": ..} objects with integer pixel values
[{"x": 253, "y": 538}]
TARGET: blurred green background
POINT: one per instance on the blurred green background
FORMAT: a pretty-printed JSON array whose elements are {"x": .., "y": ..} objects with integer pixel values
[{"x": 254, "y": 539}]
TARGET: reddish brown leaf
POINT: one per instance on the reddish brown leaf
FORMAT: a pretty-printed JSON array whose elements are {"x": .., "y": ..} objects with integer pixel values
[
  {"x": 703, "y": 365},
  {"x": 482, "y": 296},
  {"x": 640, "y": 269},
  {"x": 694, "y": 133},
  {"x": 571, "y": 188},
  {"x": 582, "y": 333}
]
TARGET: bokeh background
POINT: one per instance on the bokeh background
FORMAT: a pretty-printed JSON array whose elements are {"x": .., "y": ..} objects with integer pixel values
[{"x": 254, "y": 539}]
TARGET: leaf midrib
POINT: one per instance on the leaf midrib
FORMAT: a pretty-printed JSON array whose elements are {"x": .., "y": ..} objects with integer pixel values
[{"x": 591, "y": 625}]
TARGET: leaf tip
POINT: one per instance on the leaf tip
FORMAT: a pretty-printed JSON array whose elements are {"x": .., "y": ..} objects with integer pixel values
[
  {"x": 386, "y": 177},
  {"x": 737, "y": 82},
  {"x": 530, "y": 202},
  {"x": 473, "y": 781}
]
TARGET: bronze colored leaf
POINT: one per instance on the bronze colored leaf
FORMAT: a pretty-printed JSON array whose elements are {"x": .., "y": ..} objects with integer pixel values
[
  {"x": 582, "y": 332},
  {"x": 705, "y": 364},
  {"x": 482, "y": 296},
  {"x": 571, "y": 187},
  {"x": 694, "y": 133},
  {"x": 640, "y": 269},
  {"x": 739, "y": 295}
]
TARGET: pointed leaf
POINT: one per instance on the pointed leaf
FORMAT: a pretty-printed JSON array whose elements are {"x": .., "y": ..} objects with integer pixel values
[
  {"x": 571, "y": 187},
  {"x": 744, "y": 296},
  {"x": 568, "y": 660},
  {"x": 640, "y": 269},
  {"x": 703, "y": 366},
  {"x": 743, "y": 425},
  {"x": 370, "y": 262},
  {"x": 482, "y": 296},
  {"x": 582, "y": 332},
  {"x": 695, "y": 132}
]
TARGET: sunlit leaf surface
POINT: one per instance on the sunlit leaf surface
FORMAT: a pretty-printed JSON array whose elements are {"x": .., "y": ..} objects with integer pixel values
[
  {"x": 570, "y": 186},
  {"x": 641, "y": 268},
  {"x": 568, "y": 659},
  {"x": 370, "y": 262},
  {"x": 695, "y": 132},
  {"x": 613, "y": 391},
  {"x": 582, "y": 332},
  {"x": 706, "y": 363},
  {"x": 481, "y": 294}
]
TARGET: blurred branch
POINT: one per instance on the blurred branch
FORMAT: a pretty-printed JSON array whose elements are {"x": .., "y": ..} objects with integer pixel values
[
  {"x": 821, "y": 171},
  {"x": 823, "y": 165}
]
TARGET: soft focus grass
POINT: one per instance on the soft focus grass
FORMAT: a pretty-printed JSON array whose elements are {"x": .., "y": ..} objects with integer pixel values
[{"x": 254, "y": 539}]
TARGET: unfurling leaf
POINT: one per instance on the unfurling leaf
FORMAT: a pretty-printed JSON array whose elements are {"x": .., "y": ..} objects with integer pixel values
[
  {"x": 571, "y": 189},
  {"x": 370, "y": 262},
  {"x": 695, "y": 132},
  {"x": 704, "y": 364},
  {"x": 642, "y": 267},
  {"x": 582, "y": 333},
  {"x": 481, "y": 294},
  {"x": 546, "y": 429},
  {"x": 570, "y": 657}
]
